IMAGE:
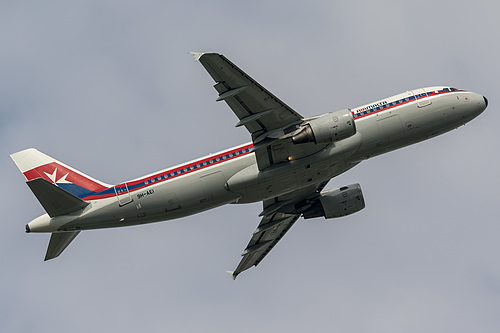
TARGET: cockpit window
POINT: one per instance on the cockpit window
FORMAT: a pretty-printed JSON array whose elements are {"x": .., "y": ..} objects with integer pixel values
[
  {"x": 446, "y": 89},
  {"x": 453, "y": 89}
]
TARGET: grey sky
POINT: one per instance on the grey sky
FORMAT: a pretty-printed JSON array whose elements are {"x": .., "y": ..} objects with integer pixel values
[{"x": 110, "y": 89}]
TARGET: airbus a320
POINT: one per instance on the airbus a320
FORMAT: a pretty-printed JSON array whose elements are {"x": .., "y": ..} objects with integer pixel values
[{"x": 286, "y": 166}]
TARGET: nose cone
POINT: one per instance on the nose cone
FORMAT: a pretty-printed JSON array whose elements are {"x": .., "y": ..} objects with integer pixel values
[
  {"x": 474, "y": 105},
  {"x": 482, "y": 103}
]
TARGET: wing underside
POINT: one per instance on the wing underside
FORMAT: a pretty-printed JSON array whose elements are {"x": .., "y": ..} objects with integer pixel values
[
  {"x": 257, "y": 108},
  {"x": 278, "y": 216},
  {"x": 269, "y": 232},
  {"x": 268, "y": 119}
]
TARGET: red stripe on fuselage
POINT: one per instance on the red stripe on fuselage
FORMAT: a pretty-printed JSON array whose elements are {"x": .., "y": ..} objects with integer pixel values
[
  {"x": 373, "y": 111},
  {"x": 161, "y": 176}
]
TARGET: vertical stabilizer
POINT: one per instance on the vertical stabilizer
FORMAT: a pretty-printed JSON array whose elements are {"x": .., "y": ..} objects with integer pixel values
[{"x": 34, "y": 164}]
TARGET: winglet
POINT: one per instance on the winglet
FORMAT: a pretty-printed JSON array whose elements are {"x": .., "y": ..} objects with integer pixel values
[
  {"x": 233, "y": 276},
  {"x": 196, "y": 55}
]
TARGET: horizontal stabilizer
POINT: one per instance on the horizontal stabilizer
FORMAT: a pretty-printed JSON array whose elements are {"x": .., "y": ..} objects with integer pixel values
[
  {"x": 55, "y": 200},
  {"x": 59, "y": 241}
]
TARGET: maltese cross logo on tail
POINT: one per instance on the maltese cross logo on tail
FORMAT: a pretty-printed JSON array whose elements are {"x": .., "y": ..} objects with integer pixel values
[{"x": 53, "y": 178}]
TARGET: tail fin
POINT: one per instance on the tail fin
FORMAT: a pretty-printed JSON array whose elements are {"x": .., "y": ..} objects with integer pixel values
[
  {"x": 34, "y": 164},
  {"x": 60, "y": 189}
]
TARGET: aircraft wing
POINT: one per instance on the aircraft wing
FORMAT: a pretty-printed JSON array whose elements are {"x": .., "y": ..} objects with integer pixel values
[
  {"x": 258, "y": 109},
  {"x": 279, "y": 215},
  {"x": 268, "y": 119}
]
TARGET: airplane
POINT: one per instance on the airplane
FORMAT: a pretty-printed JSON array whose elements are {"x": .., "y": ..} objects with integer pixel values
[{"x": 286, "y": 166}]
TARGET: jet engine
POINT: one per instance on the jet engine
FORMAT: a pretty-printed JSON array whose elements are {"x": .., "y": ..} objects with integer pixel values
[
  {"x": 337, "y": 203},
  {"x": 330, "y": 127}
]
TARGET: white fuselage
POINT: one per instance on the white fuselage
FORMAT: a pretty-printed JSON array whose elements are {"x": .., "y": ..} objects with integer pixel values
[{"x": 232, "y": 176}]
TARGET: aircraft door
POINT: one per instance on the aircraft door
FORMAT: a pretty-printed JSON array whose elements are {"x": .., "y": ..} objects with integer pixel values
[
  {"x": 391, "y": 129},
  {"x": 421, "y": 96},
  {"x": 123, "y": 194},
  {"x": 213, "y": 185}
]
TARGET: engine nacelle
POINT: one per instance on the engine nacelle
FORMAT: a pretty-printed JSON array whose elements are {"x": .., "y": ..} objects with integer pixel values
[
  {"x": 337, "y": 203},
  {"x": 327, "y": 128}
]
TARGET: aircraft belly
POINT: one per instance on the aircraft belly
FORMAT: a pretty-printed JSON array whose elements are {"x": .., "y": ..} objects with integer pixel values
[
  {"x": 254, "y": 185},
  {"x": 294, "y": 179}
]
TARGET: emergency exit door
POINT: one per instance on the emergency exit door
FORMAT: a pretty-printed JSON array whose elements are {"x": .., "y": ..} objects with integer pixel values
[
  {"x": 123, "y": 194},
  {"x": 421, "y": 96}
]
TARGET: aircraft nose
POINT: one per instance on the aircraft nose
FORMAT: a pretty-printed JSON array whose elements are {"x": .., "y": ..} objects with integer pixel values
[{"x": 485, "y": 102}]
